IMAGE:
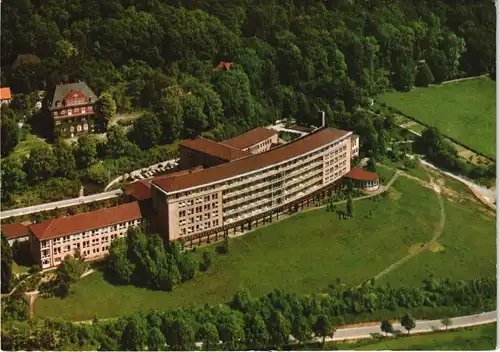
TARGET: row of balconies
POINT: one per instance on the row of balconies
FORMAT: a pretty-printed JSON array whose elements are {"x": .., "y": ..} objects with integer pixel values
[
  {"x": 265, "y": 183},
  {"x": 283, "y": 168},
  {"x": 248, "y": 212},
  {"x": 268, "y": 190},
  {"x": 296, "y": 195}
]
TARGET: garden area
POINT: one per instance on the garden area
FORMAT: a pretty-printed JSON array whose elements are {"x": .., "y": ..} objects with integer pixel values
[{"x": 463, "y": 110}]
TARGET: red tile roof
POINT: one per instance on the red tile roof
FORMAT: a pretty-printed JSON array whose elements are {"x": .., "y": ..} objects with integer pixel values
[
  {"x": 250, "y": 138},
  {"x": 86, "y": 221},
  {"x": 5, "y": 93},
  {"x": 15, "y": 230},
  {"x": 361, "y": 174},
  {"x": 251, "y": 163},
  {"x": 139, "y": 190},
  {"x": 226, "y": 65},
  {"x": 215, "y": 149}
]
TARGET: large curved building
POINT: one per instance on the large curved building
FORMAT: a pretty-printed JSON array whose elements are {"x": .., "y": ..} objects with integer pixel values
[{"x": 205, "y": 203}]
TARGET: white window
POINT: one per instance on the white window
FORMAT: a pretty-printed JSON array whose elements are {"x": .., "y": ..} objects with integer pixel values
[{"x": 78, "y": 128}]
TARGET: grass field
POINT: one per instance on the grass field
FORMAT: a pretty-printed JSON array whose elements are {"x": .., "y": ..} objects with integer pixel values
[
  {"x": 19, "y": 269},
  {"x": 302, "y": 254},
  {"x": 463, "y": 110},
  {"x": 385, "y": 174},
  {"x": 479, "y": 338},
  {"x": 465, "y": 250},
  {"x": 418, "y": 171}
]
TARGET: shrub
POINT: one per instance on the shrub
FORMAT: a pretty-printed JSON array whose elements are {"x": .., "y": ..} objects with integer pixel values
[
  {"x": 223, "y": 248},
  {"x": 36, "y": 268},
  {"x": 206, "y": 261}
]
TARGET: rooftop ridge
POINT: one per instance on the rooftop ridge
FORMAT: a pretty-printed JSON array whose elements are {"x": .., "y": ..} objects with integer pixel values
[{"x": 252, "y": 163}]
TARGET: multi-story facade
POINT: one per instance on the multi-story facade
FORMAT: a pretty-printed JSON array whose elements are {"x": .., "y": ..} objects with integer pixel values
[
  {"x": 91, "y": 233},
  {"x": 73, "y": 110},
  {"x": 229, "y": 195},
  {"x": 254, "y": 141}
]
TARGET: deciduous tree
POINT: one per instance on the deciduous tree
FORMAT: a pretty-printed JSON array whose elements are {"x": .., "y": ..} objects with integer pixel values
[
  {"x": 6, "y": 265},
  {"x": 323, "y": 327},
  {"x": 408, "y": 322},
  {"x": 386, "y": 327}
]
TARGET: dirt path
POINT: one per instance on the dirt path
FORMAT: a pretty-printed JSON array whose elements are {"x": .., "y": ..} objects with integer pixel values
[
  {"x": 435, "y": 237},
  {"x": 32, "y": 299}
]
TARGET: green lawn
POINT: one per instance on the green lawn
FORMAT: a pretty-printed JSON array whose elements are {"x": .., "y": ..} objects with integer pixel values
[
  {"x": 19, "y": 269},
  {"x": 466, "y": 247},
  {"x": 385, "y": 174},
  {"x": 463, "y": 110},
  {"x": 302, "y": 254},
  {"x": 418, "y": 171},
  {"x": 23, "y": 148},
  {"x": 480, "y": 338}
]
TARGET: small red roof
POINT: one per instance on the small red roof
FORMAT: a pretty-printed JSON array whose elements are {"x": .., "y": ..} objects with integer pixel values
[
  {"x": 86, "y": 221},
  {"x": 361, "y": 174},
  {"x": 15, "y": 230},
  {"x": 5, "y": 93},
  {"x": 223, "y": 64}
]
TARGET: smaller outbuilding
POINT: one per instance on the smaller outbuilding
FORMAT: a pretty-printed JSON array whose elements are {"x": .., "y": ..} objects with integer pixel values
[
  {"x": 16, "y": 232},
  {"x": 5, "y": 95},
  {"x": 363, "y": 179}
]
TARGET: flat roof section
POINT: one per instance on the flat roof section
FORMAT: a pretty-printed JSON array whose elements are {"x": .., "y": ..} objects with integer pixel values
[
  {"x": 215, "y": 149},
  {"x": 86, "y": 221},
  {"x": 255, "y": 162},
  {"x": 250, "y": 138}
]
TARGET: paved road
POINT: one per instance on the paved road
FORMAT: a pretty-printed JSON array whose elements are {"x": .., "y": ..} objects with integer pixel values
[
  {"x": 60, "y": 204},
  {"x": 423, "y": 326}
]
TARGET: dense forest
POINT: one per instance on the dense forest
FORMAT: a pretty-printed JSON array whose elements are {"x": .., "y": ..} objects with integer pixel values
[{"x": 290, "y": 58}]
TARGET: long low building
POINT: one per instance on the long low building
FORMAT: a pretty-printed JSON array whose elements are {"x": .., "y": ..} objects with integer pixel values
[
  {"x": 91, "y": 233},
  {"x": 205, "y": 202}
]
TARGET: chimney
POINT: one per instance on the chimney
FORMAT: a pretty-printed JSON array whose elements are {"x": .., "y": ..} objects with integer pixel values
[{"x": 323, "y": 122}]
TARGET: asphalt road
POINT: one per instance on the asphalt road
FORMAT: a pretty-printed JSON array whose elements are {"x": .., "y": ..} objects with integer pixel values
[
  {"x": 422, "y": 327},
  {"x": 60, "y": 204}
]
